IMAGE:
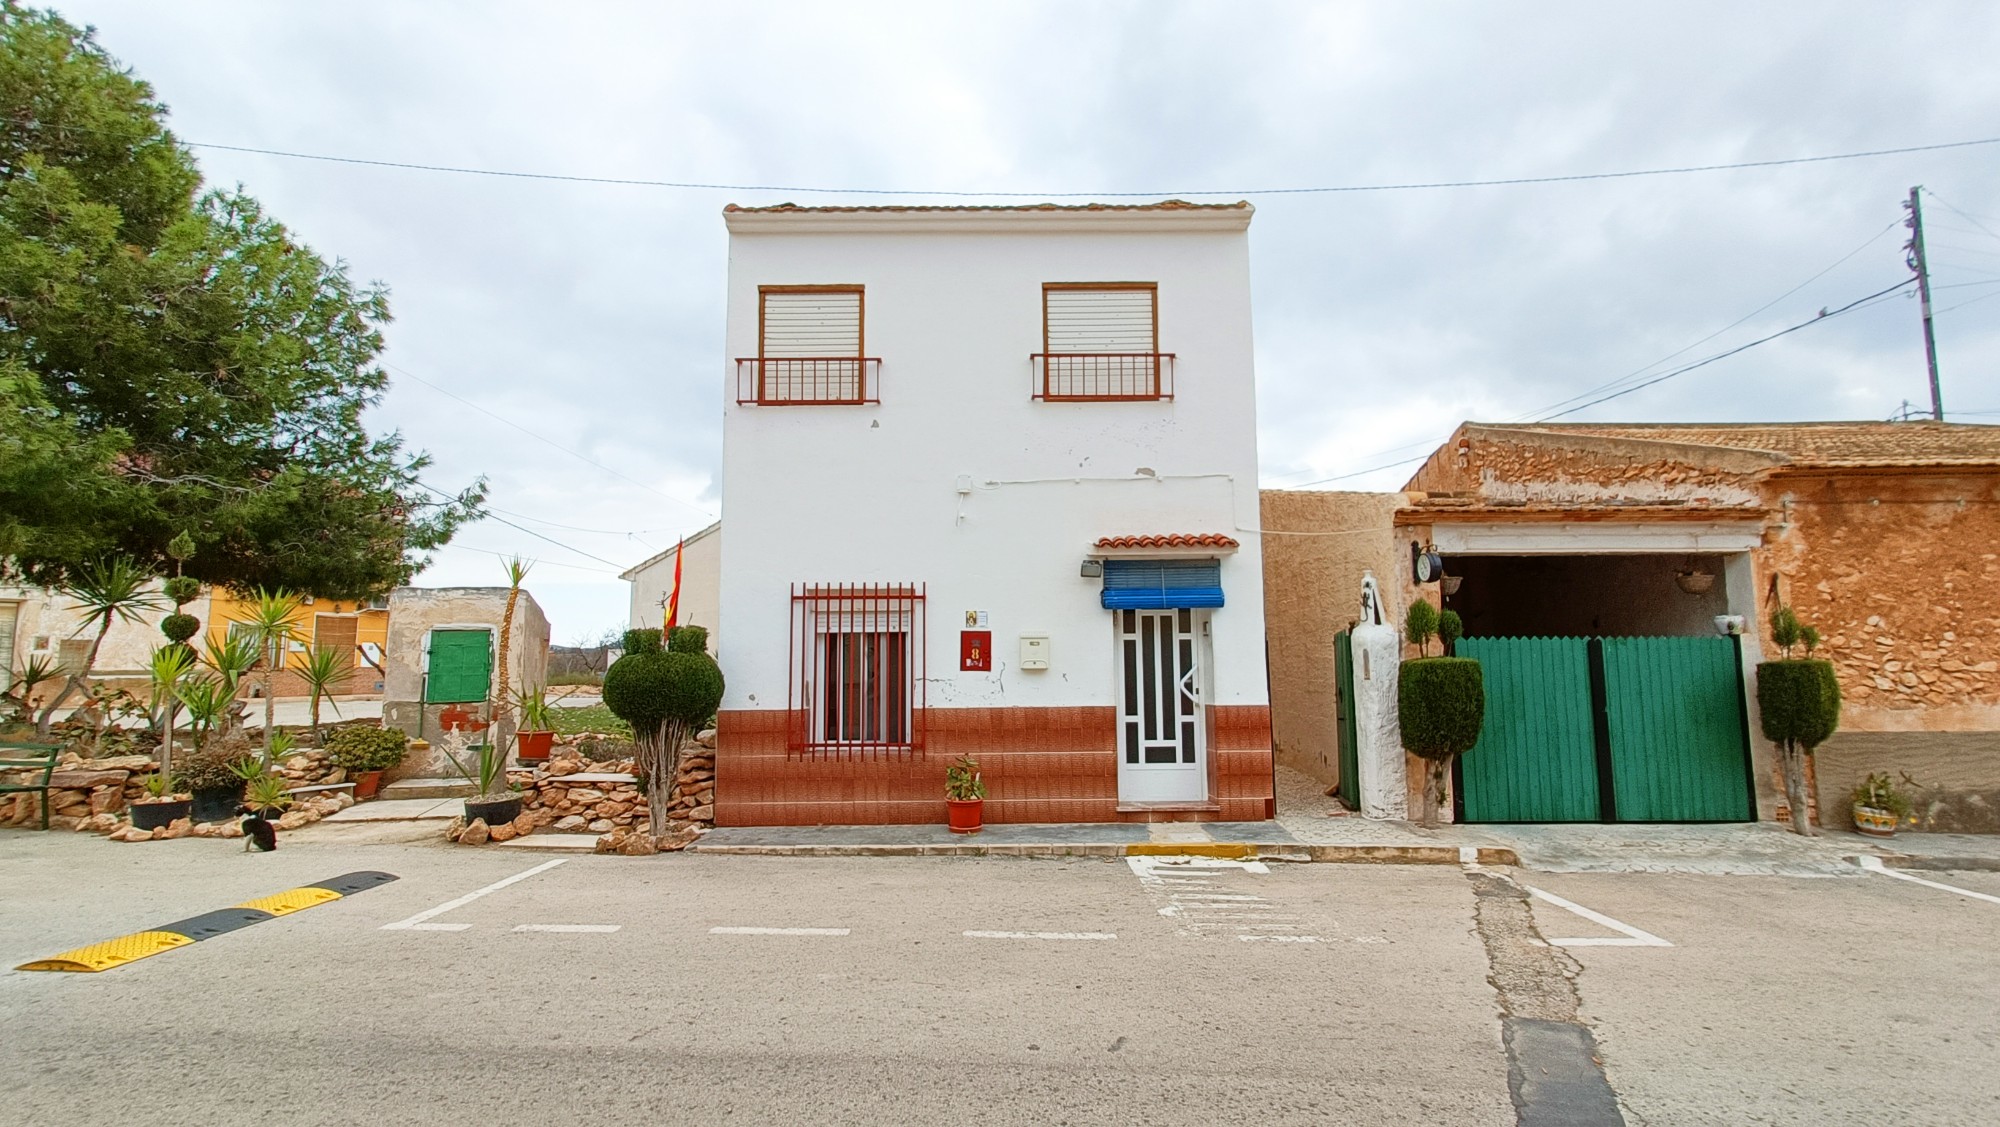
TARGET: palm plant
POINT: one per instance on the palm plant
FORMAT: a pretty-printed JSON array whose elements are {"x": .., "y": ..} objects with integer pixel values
[
  {"x": 34, "y": 672},
  {"x": 270, "y": 626},
  {"x": 104, "y": 592},
  {"x": 232, "y": 658},
  {"x": 169, "y": 667},
  {"x": 324, "y": 668}
]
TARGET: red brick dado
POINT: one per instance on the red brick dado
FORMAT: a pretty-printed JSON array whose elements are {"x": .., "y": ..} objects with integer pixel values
[{"x": 1040, "y": 765}]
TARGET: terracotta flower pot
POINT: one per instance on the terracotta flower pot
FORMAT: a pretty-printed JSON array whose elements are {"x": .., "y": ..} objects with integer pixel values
[
  {"x": 534, "y": 747},
  {"x": 366, "y": 783},
  {"x": 962, "y": 815}
]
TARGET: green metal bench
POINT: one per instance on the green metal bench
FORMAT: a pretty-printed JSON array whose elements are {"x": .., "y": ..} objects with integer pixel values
[{"x": 28, "y": 756}]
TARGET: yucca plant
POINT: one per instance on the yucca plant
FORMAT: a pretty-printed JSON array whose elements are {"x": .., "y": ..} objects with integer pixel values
[
  {"x": 271, "y": 628},
  {"x": 207, "y": 698},
  {"x": 323, "y": 669},
  {"x": 170, "y": 666},
  {"x": 517, "y": 573},
  {"x": 268, "y": 792},
  {"x": 36, "y": 671},
  {"x": 104, "y": 592}
]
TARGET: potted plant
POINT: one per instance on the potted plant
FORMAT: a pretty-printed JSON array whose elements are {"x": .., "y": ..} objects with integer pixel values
[
  {"x": 1799, "y": 702},
  {"x": 1441, "y": 700},
  {"x": 166, "y": 802},
  {"x": 268, "y": 795},
  {"x": 485, "y": 767},
  {"x": 964, "y": 796},
  {"x": 215, "y": 775},
  {"x": 364, "y": 753},
  {"x": 1879, "y": 806},
  {"x": 537, "y": 735}
]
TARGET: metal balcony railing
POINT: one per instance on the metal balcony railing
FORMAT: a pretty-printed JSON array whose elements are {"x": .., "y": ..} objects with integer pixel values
[
  {"x": 801, "y": 380},
  {"x": 1103, "y": 376}
]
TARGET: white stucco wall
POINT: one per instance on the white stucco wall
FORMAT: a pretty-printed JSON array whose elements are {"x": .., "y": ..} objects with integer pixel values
[
  {"x": 701, "y": 585},
  {"x": 828, "y": 494},
  {"x": 128, "y": 647}
]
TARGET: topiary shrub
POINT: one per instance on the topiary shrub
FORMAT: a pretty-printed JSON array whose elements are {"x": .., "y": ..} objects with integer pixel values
[
  {"x": 1420, "y": 625},
  {"x": 1798, "y": 699},
  {"x": 182, "y": 589},
  {"x": 180, "y": 627},
  {"x": 1442, "y": 702},
  {"x": 1450, "y": 629},
  {"x": 665, "y": 696},
  {"x": 688, "y": 639}
]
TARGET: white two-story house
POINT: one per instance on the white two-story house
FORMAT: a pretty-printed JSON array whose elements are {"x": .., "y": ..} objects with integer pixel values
[{"x": 990, "y": 477}]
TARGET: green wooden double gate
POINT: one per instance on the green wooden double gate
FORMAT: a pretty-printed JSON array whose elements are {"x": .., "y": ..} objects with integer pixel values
[{"x": 1608, "y": 730}]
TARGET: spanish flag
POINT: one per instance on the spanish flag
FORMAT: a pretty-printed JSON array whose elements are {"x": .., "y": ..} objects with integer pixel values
[{"x": 674, "y": 598}]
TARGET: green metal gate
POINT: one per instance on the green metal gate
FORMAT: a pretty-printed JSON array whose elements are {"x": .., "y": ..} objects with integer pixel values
[
  {"x": 1608, "y": 729},
  {"x": 1350, "y": 744}
]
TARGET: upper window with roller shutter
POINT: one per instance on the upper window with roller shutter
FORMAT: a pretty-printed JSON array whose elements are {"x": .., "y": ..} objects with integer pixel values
[
  {"x": 809, "y": 348},
  {"x": 1101, "y": 341}
]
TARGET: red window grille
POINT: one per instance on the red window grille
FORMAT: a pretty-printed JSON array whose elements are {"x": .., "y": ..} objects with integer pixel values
[
  {"x": 1101, "y": 342},
  {"x": 810, "y": 348},
  {"x": 858, "y": 653},
  {"x": 1103, "y": 377},
  {"x": 801, "y": 380}
]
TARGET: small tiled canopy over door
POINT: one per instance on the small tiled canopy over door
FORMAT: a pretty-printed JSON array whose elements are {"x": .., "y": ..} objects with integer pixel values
[{"x": 461, "y": 666}]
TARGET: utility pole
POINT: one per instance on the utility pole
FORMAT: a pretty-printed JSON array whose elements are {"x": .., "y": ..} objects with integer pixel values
[{"x": 1914, "y": 205}]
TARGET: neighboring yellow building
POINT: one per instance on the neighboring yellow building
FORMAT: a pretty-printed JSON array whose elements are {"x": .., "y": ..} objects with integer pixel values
[{"x": 360, "y": 630}]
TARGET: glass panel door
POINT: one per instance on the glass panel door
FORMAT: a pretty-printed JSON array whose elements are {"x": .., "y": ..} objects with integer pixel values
[{"x": 1161, "y": 726}]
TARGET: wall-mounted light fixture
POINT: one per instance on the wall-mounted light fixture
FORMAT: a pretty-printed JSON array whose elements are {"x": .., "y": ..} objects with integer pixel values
[{"x": 1091, "y": 569}]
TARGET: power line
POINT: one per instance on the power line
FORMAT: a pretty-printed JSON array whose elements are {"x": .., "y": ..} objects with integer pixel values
[
  {"x": 1319, "y": 190},
  {"x": 552, "y": 442},
  {"x": 1963, "y": 304},
  {"x": 522, "y": 528},
  {"x": 1825, "y": 315},
  {"x": 1967, "y": 216},
  {"x": 538, "y": 563}
]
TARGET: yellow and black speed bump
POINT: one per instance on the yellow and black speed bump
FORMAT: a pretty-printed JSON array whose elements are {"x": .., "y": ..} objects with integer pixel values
[{"x": 130, "y": 948}]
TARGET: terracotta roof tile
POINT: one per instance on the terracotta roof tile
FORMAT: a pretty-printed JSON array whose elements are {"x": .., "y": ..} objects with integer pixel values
[
  {"x": 1169, "y": 540},
  {"x": 1163, "y": 205},
  {"x": 1833, "y": 444}
]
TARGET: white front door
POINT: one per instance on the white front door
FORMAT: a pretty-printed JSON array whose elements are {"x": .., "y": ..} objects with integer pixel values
[{"x": 1162, "y": 728}]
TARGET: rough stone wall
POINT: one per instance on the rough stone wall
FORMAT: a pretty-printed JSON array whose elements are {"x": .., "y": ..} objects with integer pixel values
[
  {"x": 1901, "y": 574},
  {"x": 1951, "y": 778},
  {"x": 1316, "y": 546},
  {"x": 1498, "y": 469}
]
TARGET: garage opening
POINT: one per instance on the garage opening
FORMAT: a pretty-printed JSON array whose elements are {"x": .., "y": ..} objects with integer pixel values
[{"x": 1622, "y": 596}]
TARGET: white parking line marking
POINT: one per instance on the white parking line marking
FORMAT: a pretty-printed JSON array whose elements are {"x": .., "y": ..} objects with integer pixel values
[
  {"x": 412, "y": 924},
  {"x": 593, "y": 929},
  {"x": 1637, "y": 938},
  {"x": 777, "y": 931},
  {"x": 1039, "y": 935},
  {"x": 1875, "y": 865}
]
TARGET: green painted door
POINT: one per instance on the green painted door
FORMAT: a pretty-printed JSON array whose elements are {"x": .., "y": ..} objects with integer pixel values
[
  {"x": 1678, "y": 731},
  {"x": 461, "y": 667},
  {"x": 1536, "y": 759},
  {"x": 1350, "y": 751}
]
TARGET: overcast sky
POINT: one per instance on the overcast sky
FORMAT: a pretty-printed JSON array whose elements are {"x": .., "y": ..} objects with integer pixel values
[{"x": 591, "y": 315}]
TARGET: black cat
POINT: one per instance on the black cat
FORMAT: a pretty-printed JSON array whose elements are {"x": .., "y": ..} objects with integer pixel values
[{"x": 258, "y": 834}]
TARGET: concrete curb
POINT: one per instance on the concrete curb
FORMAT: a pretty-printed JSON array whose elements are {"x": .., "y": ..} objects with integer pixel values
[
  {"x": 1939, "y": 864},
  {"x": 1232, "y": 850}
]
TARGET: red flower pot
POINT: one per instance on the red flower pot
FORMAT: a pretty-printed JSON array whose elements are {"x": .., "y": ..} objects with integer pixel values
[
  {"x": 534, "y": 747},
  {"x": 366, "y": 783},
  {"x": 962, "y": 815}
]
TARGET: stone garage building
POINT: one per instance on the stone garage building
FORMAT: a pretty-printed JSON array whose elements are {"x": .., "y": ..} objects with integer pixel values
[{"x": 1642, "y": 536}]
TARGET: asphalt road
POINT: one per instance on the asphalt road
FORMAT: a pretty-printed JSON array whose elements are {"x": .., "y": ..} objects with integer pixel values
[{"x": 1091, "y": 992}]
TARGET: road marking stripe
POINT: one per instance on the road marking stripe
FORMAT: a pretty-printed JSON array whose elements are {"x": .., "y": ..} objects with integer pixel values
[
  {"x": 437, "y": 927},
  {"x": 777, "y": 931},
  {"x": 1875, "y": 865},
  {"x": 591, "y": 929},
  {"x": 1637, "y": 938},
  {"x": 411, "y": 923},
  {"x": 1279, "y": 939},
  {"x": 1039, "y": 935},
  {"x": 182, "y": 933}
]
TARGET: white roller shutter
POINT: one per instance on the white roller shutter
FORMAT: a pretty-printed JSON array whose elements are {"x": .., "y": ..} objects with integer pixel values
[
  {"x": 813, "y": 324},
  {"x": 1106, "y": 320}
]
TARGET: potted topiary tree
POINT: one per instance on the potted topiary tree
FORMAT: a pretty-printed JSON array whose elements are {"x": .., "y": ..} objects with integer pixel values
[
  {"x": 1441, "y": 700},
  {"x": 364, "y": 753},
  {"x": 665, "y": 695},
  {"x": 1799, "y": 699},
  {"x": 964, "y": 796},
  {"x": 1879, "y": 806}
]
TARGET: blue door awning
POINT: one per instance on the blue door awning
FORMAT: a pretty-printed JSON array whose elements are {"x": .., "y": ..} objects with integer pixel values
[{"x": 1162, "y": 584}]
